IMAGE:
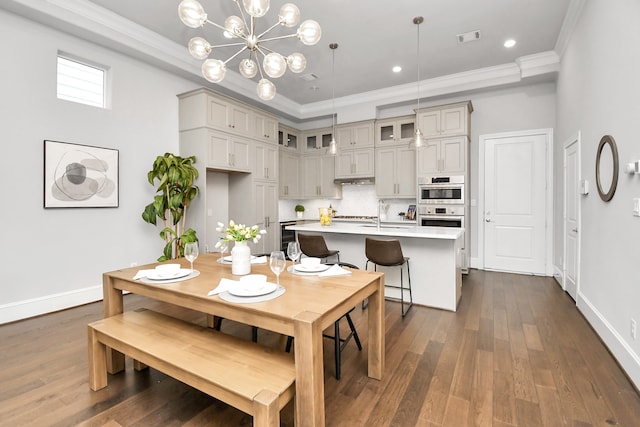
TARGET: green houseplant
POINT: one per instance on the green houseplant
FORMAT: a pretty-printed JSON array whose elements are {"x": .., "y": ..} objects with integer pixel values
[
  {"x": 175, "y": 190},
  {"x": 299, "y": 210}
]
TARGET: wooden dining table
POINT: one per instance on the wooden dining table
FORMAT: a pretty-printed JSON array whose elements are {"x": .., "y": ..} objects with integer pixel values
[{"x": 309, "y": 305}]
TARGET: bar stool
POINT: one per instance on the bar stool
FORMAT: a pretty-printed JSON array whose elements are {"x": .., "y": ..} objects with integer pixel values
[
  {"x": 339, "y": 343},
  {"x": 388, "y": 253},
  {"x": 313, "y": 245}
]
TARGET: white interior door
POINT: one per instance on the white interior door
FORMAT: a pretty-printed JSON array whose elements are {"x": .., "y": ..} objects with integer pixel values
[
  {"x": 515, "y": 235},
  {"x": 571, "y": 217}
]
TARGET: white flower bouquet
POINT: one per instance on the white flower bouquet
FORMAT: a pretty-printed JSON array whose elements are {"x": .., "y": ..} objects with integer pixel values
[{"x": 238, "y": 233}]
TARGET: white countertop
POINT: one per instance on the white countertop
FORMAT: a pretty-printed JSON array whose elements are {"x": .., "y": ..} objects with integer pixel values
[{"x": 392, "y": 230}]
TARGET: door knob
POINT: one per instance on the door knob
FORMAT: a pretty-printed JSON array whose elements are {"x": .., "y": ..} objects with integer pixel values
[
  {"x": 488, "y": 220},
  {"x": 575, "y": 230}
]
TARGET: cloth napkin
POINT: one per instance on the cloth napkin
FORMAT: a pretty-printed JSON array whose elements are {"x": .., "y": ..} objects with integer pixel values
[
  {"x": 334, "y": 270},
  {"x": 224, "y": 285},
  {"x": 259, "y": 260},
  {"x": 141, "y": 274}
]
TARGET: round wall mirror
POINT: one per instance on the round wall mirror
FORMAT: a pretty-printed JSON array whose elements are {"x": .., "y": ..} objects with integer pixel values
[{"x": 607, "y": 168}]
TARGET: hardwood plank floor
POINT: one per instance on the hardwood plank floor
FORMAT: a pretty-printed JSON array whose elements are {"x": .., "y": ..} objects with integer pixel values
[{"x": 517, "y": 353}]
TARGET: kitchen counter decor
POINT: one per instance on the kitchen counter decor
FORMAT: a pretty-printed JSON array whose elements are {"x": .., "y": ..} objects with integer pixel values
[{"x": 241, "y": 253}]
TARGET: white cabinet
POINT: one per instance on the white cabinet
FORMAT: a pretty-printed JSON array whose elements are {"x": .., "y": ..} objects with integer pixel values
[
  {"x": 226, "y": 115},
  {"x": 266, "y": 164},
  {"x": 317, "y": 139},
  {"x": 228, "y": 152},
  {"x": 355, "y": 135},
  {"x": 444, "y": 121},
  {"x": 443, "y": 156},
  {"x": 266, "y": 127},
  {"x": 289, "y": 175},
  {"x": 396, "y": 172},
  {"x": 266, "y": 203},
  {"x": 318, "y": 174},
  {"x": 355, "y": 163},
  {"x": 397, "y": 130},
  {"x": 288, "y": 138}
]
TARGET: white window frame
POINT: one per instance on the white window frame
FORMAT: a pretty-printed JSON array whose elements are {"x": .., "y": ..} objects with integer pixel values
[{"x": 86, "y": 83}]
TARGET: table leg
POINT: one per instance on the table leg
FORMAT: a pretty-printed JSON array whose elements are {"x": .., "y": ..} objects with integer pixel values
[
  {"x": 309, "y": 370},
  {"x": 376, "y": 332},
  {"x": 113, "y": 304}
]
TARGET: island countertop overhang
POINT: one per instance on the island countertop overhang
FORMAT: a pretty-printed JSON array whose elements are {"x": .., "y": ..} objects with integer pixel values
[{"x": 446, "y": 233}]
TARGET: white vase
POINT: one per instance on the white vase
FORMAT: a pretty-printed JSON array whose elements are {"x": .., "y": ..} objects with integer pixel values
[{"x": 240, "y": 259}]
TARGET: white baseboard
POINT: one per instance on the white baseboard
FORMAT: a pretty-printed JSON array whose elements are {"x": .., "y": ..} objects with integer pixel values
[
  {"x": 474, "y": 263},
  {"x": 34, "y": 307},
  {"x": 624, "y": 354},
  {"x": 557, "y": 274}
]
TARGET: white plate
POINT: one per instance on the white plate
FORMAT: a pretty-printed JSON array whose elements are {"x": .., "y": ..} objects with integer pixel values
[
  {"x": 317, "y": 269},
  {"x": 252, "y": 291},
  {"x": 178, "y": 274}
]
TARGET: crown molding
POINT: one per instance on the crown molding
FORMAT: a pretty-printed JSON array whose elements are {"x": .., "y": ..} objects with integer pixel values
[
  {"x": 568, "y": 25},
  {"x": 85, "y": 19}
]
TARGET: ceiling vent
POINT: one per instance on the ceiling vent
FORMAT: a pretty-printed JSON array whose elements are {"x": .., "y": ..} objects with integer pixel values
[
  {"x": 309, "y": 77},
  {"x": 468, "y": 37}
]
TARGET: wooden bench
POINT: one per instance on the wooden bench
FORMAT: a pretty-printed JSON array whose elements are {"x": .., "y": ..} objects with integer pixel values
[{"x": 255, "y": 379}]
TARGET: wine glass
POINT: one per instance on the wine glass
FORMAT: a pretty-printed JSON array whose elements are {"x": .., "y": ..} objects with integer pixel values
[
  {"x": 277, "y": 262},
  {"x": 191, "y": 252},
  {"x": 293, "y": 250},
  {"x": 223, "y": 246}
]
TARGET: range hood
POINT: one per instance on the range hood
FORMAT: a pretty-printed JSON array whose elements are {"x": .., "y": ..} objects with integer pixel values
[{"x": 355, "y": 181}]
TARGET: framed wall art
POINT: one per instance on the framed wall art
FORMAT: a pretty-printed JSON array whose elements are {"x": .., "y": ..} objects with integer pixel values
[{"x": 80, "y": 176}]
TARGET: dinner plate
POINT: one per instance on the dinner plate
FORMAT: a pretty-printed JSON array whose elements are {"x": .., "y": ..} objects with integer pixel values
[
  {"x": 178, "y": 274},
  {"x": 316, "y": 269},
  {"x": 252, "y": 291}
]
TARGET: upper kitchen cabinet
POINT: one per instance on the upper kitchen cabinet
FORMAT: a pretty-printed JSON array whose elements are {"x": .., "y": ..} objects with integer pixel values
[
  {"x": 317, "y": 139},
  {"x": 266, "y": 127},
  {"x": 355, "y": 135},
  {"x": 288, "y": 138},
  {"x": 355, "y": 163},
  {"x": 204, "y": 108},
  {"x": 443, "y": 156},
  {"x": 398, "y": 130},
  {"x": 289, "y": 175},
  {"x": 266, "y": 165},
  {"x": 318, "y": 174},
  {"x": 217, "y": 150},
  {"x": 444, "y": 121},
  {"x": 396, "y": 177}
]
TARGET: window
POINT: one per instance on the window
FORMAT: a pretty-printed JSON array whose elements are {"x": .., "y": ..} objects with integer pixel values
[{"x": 80, "y": 82}]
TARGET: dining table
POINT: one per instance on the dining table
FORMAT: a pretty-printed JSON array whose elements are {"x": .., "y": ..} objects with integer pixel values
[{"x": 307, "y": 306}]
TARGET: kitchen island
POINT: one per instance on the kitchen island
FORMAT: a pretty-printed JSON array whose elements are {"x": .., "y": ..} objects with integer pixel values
[{"x": 434, "y": 252}]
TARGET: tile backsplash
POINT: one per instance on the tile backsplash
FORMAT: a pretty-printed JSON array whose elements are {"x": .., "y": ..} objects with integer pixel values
[{"x": 356, "y": 200}]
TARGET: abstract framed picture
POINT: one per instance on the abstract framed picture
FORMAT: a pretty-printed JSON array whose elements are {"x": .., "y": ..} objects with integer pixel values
[{"x": 80, "y": 176}]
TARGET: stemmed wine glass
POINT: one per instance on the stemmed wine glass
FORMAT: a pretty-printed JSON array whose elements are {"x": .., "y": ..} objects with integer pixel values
[
  {"x": 277, "y": 262},
  {"x": 191, "y": 252},
  {"x": 222, "y": 245},
  {"x": 293, "y": 250}
]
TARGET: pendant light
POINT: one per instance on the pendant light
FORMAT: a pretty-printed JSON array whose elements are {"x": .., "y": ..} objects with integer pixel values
[
  {"x": 333, "y": 145},
  {"x": 417, "y": 140}
]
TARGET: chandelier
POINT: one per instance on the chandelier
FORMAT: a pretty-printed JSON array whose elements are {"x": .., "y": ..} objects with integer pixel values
[{"x": 274, "y": 64}]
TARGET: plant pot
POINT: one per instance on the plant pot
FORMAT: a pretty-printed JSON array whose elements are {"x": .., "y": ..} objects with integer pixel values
[
  {"x": 299, "y": 215},
  {"x": 240, "y": 259}
]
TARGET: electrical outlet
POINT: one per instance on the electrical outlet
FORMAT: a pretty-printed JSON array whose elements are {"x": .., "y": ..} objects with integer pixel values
[{"x": 633, "y": 329}]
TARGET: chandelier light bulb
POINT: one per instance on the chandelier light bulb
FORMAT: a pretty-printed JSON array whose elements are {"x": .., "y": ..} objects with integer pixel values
[
  {"x": 199, "y": 48},
  {"x": 266, "y": 90},
  {"x": 309, "y": 32},
  {"x": 274, "y": 65},
  {"x": 297, "y": 62},
  {"x": 333, "y": 147},
  {"x": 192, "y": 13},
  {"x": 214, "y": 70},
  {"x": 234, "y": 26},
  {"x": 248, "y": 68},
  {"x": 256, "y": 8},
  {"x": 289, "y": 15}
]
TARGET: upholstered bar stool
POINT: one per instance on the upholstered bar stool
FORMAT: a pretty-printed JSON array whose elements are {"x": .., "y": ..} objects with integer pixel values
[
  {"x": 388, "y": 253},
  {"x": 313, "y": 245}
]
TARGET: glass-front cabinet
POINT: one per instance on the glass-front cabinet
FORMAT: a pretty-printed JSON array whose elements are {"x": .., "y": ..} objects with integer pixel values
[
  {"x": 288, "y": 138},
  {"x": 395, "y": 131},
  {"x": 317, "y": 139}
]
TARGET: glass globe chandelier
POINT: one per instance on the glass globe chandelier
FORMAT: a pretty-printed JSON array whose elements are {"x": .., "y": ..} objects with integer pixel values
[{"x": 274, "y": 64}]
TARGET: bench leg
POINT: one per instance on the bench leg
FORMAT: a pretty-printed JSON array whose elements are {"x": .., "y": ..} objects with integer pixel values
[
  {"x": 97, "y": 361},
  {"x": 266, "y": 411}
]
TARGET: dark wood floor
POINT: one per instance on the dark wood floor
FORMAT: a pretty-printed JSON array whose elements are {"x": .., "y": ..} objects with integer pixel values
[{"x": 517, "y": 353}]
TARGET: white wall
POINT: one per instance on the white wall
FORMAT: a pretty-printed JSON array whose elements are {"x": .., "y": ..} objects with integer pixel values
[
  {"x": 598, "y": 92},
  {"x": 54, "y": 258}
]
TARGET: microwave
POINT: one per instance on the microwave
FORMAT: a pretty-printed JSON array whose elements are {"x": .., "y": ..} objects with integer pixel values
[{"x": 441, "y": 190}]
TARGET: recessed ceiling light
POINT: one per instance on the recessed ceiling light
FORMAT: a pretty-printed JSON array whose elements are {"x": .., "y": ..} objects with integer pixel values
[
  {"x": 396, "y": 69},
  {"x": 510, "y": 43}
]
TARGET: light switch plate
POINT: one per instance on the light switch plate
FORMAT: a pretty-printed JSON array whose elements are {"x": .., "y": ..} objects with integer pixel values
[
  {"x": 584, "y": 187},
  {"x": 636, "y": 207}
]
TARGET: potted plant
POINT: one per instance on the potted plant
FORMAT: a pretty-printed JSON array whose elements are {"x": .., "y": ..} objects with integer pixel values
[
  {"x": 299, "y": 211},
  {"x": 175, "y": 178}
]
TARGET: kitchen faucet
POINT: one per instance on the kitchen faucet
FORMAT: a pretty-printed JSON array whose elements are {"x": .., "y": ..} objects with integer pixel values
[{"x": 380, "y": 203}]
